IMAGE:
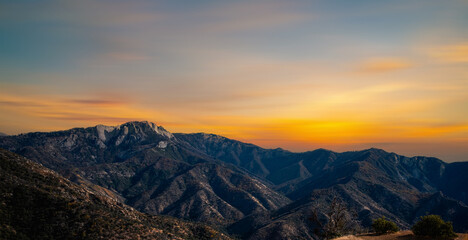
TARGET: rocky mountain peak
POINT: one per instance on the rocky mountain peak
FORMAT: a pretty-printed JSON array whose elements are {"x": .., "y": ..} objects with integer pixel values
[
  {"x": 133, "y": 131},
  {"x": 146, "y": 128}
]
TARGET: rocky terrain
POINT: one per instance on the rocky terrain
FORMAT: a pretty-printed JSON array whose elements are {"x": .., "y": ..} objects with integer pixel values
[
  {"x": 149, "y": 169},
  {"x": 255, "y": 193},
  {"x": 37, "y": 203}
]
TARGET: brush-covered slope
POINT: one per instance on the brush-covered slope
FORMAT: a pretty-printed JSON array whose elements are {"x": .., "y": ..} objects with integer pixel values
[
  {"x": 258, "y": 193},
  {"x": 371, "y": 184},
  {"x": 290, "y": 171},
  {"x": 149, "y": 169},
  {"x": 37, "y": 203}
]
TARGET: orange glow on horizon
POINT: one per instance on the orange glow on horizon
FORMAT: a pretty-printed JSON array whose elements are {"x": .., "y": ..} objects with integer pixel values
[{"x": 290, "y": 133}]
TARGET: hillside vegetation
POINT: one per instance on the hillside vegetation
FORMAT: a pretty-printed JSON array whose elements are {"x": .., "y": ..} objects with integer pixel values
[
  {"x": 37, "y": 203},
  {"x": 254, "y": 193}
]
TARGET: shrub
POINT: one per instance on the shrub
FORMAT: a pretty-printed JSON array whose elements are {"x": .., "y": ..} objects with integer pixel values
[
  {"x": 339, "y": 220},
  {"x": 382, "y": 226},
  {"x": 434, "y": 226}
]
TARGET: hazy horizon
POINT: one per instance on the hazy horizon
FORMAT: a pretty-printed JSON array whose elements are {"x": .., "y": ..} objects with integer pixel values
[{"x": 410, "y": 151}]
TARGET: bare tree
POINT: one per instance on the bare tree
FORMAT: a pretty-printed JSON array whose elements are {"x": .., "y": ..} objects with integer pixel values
[{"x": 337, "y": 220}]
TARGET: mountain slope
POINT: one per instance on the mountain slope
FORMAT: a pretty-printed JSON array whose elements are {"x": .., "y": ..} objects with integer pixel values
[
  {"x": 256, "y": 160},
  {"x": 290, "y": 171},
  {"x": 149, "y": 169},
  {"x": 257, "y": 193},
  {"x": 371, "y": 184},
  {"x": 453, "y": 177},
  {"x": 37, "y": 203}
]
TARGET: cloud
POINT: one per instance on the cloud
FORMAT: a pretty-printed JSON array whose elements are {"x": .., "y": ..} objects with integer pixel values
[
  {"x": 126, "y": 56},
  {"x": 252, "y": 16},
  {"x": 82, "y": 13},
  {"x": 92, "y": 110},
  {"x": 457, "y": 53},
  {"x": 81, "y": 117},
  {"x": 384, "y": 65},
  {"x": 37, "y": 102},
  {"x": 20, "y": 103},
  {"x": 95, "y": 102}
]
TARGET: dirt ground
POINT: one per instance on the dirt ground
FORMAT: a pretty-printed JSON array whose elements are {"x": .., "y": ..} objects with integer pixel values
[{"x": 402, "y": 235}]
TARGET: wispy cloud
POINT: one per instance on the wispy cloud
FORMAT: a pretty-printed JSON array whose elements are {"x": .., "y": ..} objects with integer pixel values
[
  {"x": 16, "y": 103},
  {"x": 384, "y": 65},
  {"x": 83, "y": 117},
  {"x": 95, "y": 102},
  {"x": 295, "y": 73},
  {"x": 126, "y": 56},
  {"x": 82, "y": 13},
  {"x": 252, "y": 15},
  {"x": 457, "y": 53},
  {"x": 92, "y": 110}
]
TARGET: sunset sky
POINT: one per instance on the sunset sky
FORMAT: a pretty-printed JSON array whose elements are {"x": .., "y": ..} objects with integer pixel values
[{"x": 300, "y": 75}]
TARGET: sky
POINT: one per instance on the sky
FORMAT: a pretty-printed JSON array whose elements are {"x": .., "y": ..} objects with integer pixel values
[{"x": 300, "y": 75}]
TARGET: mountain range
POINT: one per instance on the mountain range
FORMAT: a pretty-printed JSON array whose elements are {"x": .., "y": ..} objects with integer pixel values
[
  {"x": 38, "y": 203},
  {"x": 252, "y": 192}
]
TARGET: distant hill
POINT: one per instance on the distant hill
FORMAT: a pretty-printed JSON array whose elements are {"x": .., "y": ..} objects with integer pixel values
[
  {"x": 37, "y": 203},
  {"x": 371, "y": 182},
  {"x": 255, "y": 193}
]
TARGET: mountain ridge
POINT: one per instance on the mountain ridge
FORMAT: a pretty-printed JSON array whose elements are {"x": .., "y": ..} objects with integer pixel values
[
  {"x": 210, "y": 178},
  {"x": 151, "y": 170},
  {"x": 162, "y": 129}
]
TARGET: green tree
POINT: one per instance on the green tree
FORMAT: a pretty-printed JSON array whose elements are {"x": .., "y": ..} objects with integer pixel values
[
  {"x": 383, "y": 226},
  {"x": 434, "y": 226}
]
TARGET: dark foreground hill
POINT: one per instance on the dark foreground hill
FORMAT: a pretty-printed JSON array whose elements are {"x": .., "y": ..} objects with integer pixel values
[
  {"x": 37, "y": 203},
  {"x": 255, "y": 193}
]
